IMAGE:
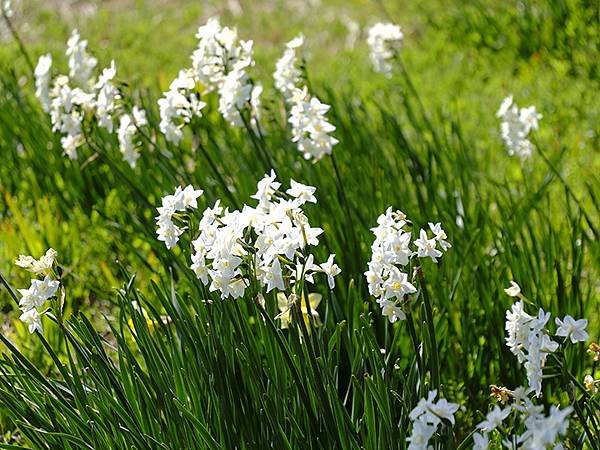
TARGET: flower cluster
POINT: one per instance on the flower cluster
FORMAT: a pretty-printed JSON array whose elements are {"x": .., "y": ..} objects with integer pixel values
[
  {"x": 391, "y": 251},
  {"x": 286, "y": 74},
  {"x": 128, "y": 128},
  {"x": 540, "y": 431},
  {"x": 530, "y": 342},
  {"x": 178, "y": 105},
  {"x": 516, "y": 125},
  {"x": 179, "y": 201},
  {"x": 219, "y": 53},
  {"x": 69, "y": 99},
  {"x": 267, "y": 243},
  {"x": 310, "y": 128},
  {"x": 36, "y": 295},
  {"x": 384, "y": 41},
  {"x": 219, "y": 63},
  {"x": 426, "y": 418}
]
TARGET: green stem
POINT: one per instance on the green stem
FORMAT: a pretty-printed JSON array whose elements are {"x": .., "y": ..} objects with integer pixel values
[{"x": 435, "y": 365}]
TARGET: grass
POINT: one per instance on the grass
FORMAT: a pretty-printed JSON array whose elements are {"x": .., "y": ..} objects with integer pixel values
[{"x": 220, "y": 374}]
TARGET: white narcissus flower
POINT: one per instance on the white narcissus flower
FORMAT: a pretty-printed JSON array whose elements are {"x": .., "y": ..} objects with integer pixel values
[
  {"x": 390, "y": 310},
  {"x": 42, "y": 265},
  {"x": 528, "y": 340},
  {"x": 302, "y": 192},
  {"x": 42, "y": 80},
  {"x": 180, "y": 200},
  {"x": 494, "y": 419},
  {"x": 391, "y": 251},
  {"x": 128, "y": 128},
  {"x": 384, "y": 41},
  {"x": 516, "y": 125},
  {"x": 310, "y": 129},
  {"x": 33, "y": 320},
  {"x": 427, "y": 247},
  {"x": 480, "y": 441},
  {"x": 426, "y": 417},
  {"x": 572, "y": 329},
  {"x": 106, "y": 98},
  {"x": 268, "y": 242},
  {"x": 286, "y": 74},
  {"x": 81, "y": 64},
  {"x": 179, "y": 105},
  {"x": 331, "y": 270},
  {"x": 514, "y": 290}
]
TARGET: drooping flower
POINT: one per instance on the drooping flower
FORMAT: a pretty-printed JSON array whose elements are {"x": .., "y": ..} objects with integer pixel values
[{"x": 285, "y": 303}]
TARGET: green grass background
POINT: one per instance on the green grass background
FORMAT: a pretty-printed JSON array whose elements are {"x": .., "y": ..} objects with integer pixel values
[{"x": 414, "y": 146}]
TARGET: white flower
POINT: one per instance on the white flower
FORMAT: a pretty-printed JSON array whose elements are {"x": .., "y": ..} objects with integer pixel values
[
  {"x": 427, "y": 416},
  {"x": 390, "y": 310},
  {"x": 81, "y": 64},
  {"x": 391, "y": 249},
  {"x": 310, "y": 129},
  {"x": 331, "y": 270},
  {"x": 572, "y": 329},
  {"x": 440, "y": 235},
  {"x": 108, "y": 94},
  {"x": 543, "y": 431},
  {"x": 529, "y": 342},
  {"x": 427, "y": 247},
  {"x": 530, "y": 118},
  {"x": 218, "y": 53},
  {"x": 516, "y": 125},
  {"x": 262, "y": 241},
  {"x": 590, "y": 383},
  {"x": 480, "y": 441},
  {"x": 514, "y": 290},
  {"x": 384, "y": 41},
  {"x": 234, "y": 94},
  {"x": 302, "y": 192},
  {"x": 181, "y": 199},
  {"x": 178, "y": 106},
  {"x": 272, "y": 276},
  {"x": 189, "y": 196},
  {"x": 128, "y": 127},
  {"x": 42, "y": 80},
  {"x": 494, "y": 419},
  {"x": 37, "y": 266},
  {"x": 32, "y": 318},
  {"x": 286, "y": 74}
]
